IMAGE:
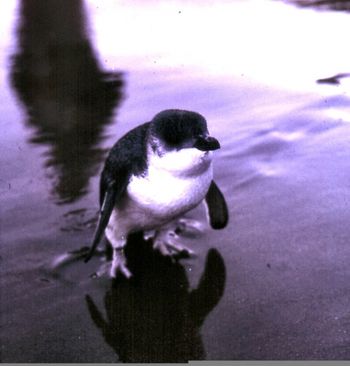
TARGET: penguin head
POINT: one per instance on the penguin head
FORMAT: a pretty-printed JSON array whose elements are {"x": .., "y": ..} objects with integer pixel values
[
  {"x": 181, "y": 139},
  {"x": 176, "y": 129}
]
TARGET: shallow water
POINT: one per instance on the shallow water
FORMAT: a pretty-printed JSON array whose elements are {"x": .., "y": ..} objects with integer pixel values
[{"x": 277, "y": 284}]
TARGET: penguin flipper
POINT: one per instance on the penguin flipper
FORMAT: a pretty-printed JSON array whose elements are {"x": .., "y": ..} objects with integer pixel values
[
  {"x": 128, "y": 156},
  {"x": 217, "y": 207},
  {"x": 109, "y": 200}
]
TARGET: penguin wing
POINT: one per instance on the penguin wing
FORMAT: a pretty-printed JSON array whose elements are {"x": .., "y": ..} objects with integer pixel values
[
  {"x": 127, "y": 158},
  {"x": 109, "y": 201},
  {"x": 217, "y": 207}
]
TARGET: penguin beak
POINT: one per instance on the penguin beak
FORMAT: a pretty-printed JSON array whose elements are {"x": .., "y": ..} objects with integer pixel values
[{"x": 206, "y": 143}]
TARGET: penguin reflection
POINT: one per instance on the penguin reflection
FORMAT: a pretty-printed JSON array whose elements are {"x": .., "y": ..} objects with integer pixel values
[
  {"x": 68, "y": 98},
  {"x": 154, "y": 316}
]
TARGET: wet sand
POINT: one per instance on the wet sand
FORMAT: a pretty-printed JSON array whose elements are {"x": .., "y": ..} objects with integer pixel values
[{"x": 273, "y": 285}]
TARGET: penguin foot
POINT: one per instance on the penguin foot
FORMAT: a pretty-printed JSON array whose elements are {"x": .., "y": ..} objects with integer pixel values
[
  {"x": 166, "y": 245},
  {"x": 119, "y": 267},
  {"x": 189, "y": 227},
  {"x": 172, "y": 250},
  {"x": 114, "y": 267},
  {"x": 119, "y": 264}
]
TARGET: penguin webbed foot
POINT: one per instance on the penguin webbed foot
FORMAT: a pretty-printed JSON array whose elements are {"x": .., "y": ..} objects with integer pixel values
[
  {"x": 188, "y": 227},
  {"x": 175, "y": 251},
  {"x": 117, "y": 266},
  {"x": 165, "y": 243},
  {"x": 166, "y": 239}
]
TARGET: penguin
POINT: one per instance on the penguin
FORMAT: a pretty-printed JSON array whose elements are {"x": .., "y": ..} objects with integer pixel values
[{"x": 152, "y": 176}]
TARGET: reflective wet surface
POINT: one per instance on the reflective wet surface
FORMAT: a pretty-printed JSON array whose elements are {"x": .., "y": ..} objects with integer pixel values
[
  {"x": 274, "y": 284},
  {"x": 68, "y": 99}
]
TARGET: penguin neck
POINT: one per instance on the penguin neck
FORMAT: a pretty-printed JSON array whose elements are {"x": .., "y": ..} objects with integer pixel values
[{"x": 189, "y": 162}]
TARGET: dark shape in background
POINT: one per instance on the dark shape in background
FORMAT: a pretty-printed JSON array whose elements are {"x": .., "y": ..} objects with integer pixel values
[
  {"x": 333, "y": 80},
  {"x": 155, "y": 316},
  {"x": 68, "y": 98},
  {"x": 339, "y": 5}
]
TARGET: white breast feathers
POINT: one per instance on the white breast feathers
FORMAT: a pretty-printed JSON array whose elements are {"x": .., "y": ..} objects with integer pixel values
[{"x": 174, "y": 183}]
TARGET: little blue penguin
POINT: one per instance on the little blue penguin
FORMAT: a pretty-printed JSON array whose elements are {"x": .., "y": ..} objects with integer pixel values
[{"x": 152, "y": 176}]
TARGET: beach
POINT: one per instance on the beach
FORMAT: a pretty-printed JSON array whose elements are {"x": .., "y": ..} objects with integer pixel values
[{"x": 273, "y": 284}]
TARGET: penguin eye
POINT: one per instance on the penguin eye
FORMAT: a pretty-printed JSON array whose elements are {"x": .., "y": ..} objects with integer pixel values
[
  {"x": 186, "y": 143},
  {"x": 179, "y": 133},
  {"x": 179, "y": 144}
]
